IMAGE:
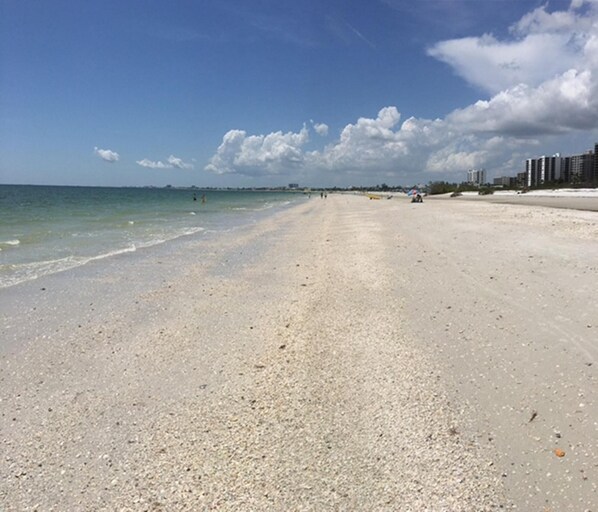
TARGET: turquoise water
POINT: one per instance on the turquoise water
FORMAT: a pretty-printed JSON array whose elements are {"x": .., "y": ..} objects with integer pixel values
[{"x": 47, "y": 229}]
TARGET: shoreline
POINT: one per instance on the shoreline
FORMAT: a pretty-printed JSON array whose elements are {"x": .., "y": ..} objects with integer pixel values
[
  {"x": 97, "y": 225},
  {"x": 320, "y": 359}
]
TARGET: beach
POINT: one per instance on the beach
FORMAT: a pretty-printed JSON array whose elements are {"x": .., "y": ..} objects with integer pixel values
[
  {"x": 342, "y": 354},
  {"x": 570, "y": 199}
]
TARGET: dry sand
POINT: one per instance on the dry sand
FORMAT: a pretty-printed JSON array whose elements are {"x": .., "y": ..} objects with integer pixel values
[
  {"x": 588, "y": 202},
  {"x": 343, "y": 355}
]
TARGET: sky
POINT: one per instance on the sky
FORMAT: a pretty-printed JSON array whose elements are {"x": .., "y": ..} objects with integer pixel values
[{"x": 235, "y": 93}]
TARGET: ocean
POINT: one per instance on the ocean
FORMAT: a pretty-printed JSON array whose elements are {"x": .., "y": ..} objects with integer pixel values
[{"x": 49, "y": 229}]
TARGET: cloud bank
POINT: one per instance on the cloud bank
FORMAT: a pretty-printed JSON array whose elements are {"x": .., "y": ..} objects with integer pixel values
[
  {"x": 106, "y": 154},
  {"x": 541, "y": 80}
]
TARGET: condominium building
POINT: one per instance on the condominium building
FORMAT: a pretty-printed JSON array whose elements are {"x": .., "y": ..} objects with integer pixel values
[
  {"x": 546, "y": 169},
  {"x": 531, "y": 172},
  {"x": 594, "y": 175},
  {"x": 476, "y": 176},
  {"x": 505, "y": 181},
  {"x": 581, "y": 167},
  {"x": 568, "y": 169}
]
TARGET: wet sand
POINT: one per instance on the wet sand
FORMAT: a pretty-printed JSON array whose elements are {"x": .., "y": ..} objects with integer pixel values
[{"x": 343, "y": 355}]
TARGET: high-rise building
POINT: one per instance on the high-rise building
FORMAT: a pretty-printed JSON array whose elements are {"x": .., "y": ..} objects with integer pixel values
[
  {"x": 476, "y": 176},
  {"x": 521, "y": 180},
  {"x": 575, "y": 169},
  {"x": 546, "y": 169},
  {"x": 566, "y": 169},
  {"x": 505, "y": 181},
  {"x": 581, "y": 168},
  {"x": 531, "y": 172}
]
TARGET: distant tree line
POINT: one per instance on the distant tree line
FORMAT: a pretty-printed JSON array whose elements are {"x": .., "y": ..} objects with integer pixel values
[{"x": 444, "y": 187}]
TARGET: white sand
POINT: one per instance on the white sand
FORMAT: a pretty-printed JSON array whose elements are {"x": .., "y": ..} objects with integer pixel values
[
  {"x": 556, "y": 192},
  {"x": 344, "y": 355},
  {"x": 585, "y": 199}
]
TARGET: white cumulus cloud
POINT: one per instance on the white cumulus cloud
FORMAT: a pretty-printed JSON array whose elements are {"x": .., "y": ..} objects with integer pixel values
[
  {"x": 172, "y": 161},
  {"x": 542, "y": 80},
  {"x": 494, "y": 65},
  {"x": 321, "y": 129},
  {"x": 153, "y": 164},
  {"x": 106, "y": 154},
  {"x": 258, "y": 155},
  {"x": 544, "y": 45},
  {"x": 565, "y": 103},
  {"x": 367, "y": 143},
  {"x": 178, "y": 163}
]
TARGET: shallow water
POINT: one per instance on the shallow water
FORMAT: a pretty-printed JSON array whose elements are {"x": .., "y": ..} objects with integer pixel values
[{"x": 48, "y": 229}]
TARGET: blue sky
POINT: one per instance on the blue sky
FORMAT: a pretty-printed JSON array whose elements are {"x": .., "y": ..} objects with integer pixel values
[{"x": 336, "y": 92}]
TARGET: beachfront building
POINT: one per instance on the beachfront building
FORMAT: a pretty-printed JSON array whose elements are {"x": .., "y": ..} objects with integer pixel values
[
  {"x": 566, "y": 169},
  {"x": 505, "y": 181},
  {"x": 581, "y": 167},
  {"x": 521, "y": 179},
  {"x": 550, "y": 168},
  {"x": 594, "y": 174},
  {"x": 531, "y": 172},
  {"x": 575, "y": 169},
  {"x": 546, "y": 169},
  {"x": 476, "y": 176}
]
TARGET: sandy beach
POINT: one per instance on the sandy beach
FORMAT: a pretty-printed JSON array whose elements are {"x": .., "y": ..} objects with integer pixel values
[
  {"x": 344, "y": 354},
  {"x": 569, "y": 199}
]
